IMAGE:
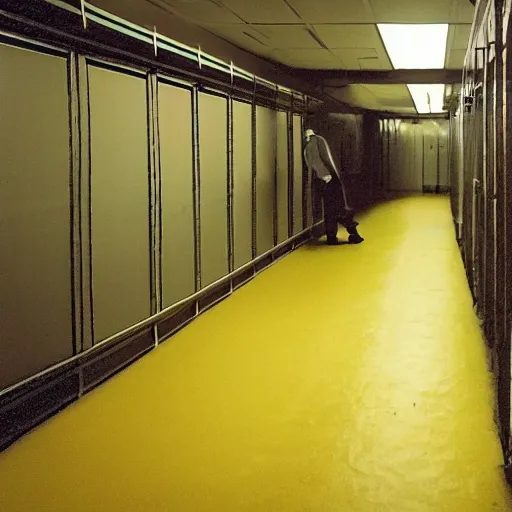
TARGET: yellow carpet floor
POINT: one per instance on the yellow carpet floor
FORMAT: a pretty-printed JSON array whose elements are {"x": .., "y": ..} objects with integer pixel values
[{"x": 347, "y": 378}]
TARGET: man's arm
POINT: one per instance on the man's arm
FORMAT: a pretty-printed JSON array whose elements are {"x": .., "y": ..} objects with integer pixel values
[
  {"x": 314, "y": 160},
  {"x": 325, "y": 154}
]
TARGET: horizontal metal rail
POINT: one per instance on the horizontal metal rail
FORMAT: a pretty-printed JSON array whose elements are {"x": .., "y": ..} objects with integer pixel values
[{"x": 148, "y": 322}]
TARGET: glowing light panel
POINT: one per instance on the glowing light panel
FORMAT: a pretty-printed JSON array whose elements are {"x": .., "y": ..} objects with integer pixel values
[{"x": 418, "y": 47}]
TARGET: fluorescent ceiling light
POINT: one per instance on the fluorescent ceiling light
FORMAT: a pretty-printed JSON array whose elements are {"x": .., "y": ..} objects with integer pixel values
[
  {"x": 418, "y": 47},
  {"x": 415, "y": 46},
  {"x": 428, "y": 98}
]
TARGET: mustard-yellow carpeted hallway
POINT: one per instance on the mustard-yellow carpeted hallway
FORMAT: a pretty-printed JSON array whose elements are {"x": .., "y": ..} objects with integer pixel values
[{"x": 347, "y": 378}]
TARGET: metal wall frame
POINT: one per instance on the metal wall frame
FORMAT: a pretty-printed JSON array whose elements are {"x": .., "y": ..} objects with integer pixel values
[
  {"x": 92, "y": 363},
  {"x": 482, "y": 206}
]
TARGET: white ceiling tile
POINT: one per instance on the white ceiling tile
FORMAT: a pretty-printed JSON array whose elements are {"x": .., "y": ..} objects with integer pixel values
[
  {"x": 349, "y": 36},
  {"x": 201, "y": 11},
  {"x": 262, "y": 11},
  {"x": 310, "y": 59},
  {"x": 412, "y": 11},
  {"x": 287, "y": 36},
  {"x": 333, "y": 11},
  {"x": 351, "y": 56},
  {"x": 370, "y": 64},
  {"x": 241, "y": 35}
]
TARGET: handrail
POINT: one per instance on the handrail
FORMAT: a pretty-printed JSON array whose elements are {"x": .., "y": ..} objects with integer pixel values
[{"x": 157, "y": 316}]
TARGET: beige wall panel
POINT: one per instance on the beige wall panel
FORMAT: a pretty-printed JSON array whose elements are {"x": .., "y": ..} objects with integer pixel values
[
  {"x": 242, "y": 182},
  {"x": 444, "y": 172},
  {"x": 266, "y": 127},
  {"x": 396, "y": 168},
  {"x": 385, "y": 154},
  {"x": 414, "y": 165},
  {"x": 410, "y": 176},
  {"x": 418, "y": 156},
  {"x": 176, "y": 161},
  {"x": 430, "y": 154},
  {"x": 297, "y": 174},
  {"x": 282, "y": 176},
  {"x": 35, "y": 268},
  {"x": 403, "y": 174},
  {"x": 120, "y": 201},
  {"x": 213, "y": 183},
  {"x": 395, "y": 178}
]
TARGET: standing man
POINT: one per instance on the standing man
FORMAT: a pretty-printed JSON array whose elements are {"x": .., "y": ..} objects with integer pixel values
[{"x": 336, "y": 210}]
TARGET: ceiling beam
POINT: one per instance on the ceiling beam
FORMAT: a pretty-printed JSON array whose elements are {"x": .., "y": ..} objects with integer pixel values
[{"x": 341, "y": 78}]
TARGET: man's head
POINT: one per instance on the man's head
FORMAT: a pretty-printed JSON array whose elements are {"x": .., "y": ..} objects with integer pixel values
[{"x": 308, "y": 134}]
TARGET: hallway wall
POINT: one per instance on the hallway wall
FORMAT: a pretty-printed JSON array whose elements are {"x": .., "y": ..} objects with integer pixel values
[
  {"x": 134, "y": 208},
  {"x": 415, "y": 154},
  {"x": 482, "y": 189},
  {"x": 132, "y": 199}
]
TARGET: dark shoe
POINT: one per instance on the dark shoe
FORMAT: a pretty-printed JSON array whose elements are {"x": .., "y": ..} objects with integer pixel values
[
  {"x": 352, "y": 229},
  {"x": 332, "y": 240},
  {"x": 355, "y": 239}
]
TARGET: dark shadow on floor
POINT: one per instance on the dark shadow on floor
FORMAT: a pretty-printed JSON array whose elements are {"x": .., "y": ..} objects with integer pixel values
[
  {"x": 362, "y": 201},
  {"x": 321, "y": 243}
]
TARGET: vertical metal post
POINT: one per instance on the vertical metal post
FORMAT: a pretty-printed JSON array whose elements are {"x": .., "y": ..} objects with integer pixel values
[
  {"x": 75, "y": 210},
  {"x": 155, "y": 192},
  {"x": 484, "y": 197},
  {"x": 291, "y": 198},
  {"x": 151, "y": 182},
  {"x": 389, "y": 154},
  {"x": 304, "y": 173},
  {"x": 254, "y": 172},
  {"x": 438, "y": 174},
  {"x": 275, "y": 220},
  {"x": 423, "y": 161},
  {"x": 84, "y": 16},
  {"x": 196, "y": 186},
  {"x": 230, "y": 185},
  {"x": 84, "y": 127}
]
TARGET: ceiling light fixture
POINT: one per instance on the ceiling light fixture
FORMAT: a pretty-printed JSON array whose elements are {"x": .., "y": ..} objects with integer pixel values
[
  {"x": 415, "y": 46},
  {"x": 418, "y": 47}
]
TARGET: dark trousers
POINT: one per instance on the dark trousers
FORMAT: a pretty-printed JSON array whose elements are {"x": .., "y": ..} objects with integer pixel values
[{"x": 335, "y": 209}]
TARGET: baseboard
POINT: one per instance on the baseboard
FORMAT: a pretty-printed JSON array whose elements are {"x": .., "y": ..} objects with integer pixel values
[{"x": 30, "y": 407}]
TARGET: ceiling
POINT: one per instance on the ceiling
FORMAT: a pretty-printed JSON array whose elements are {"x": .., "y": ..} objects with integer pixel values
[{"x": 329, "y": 34}]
